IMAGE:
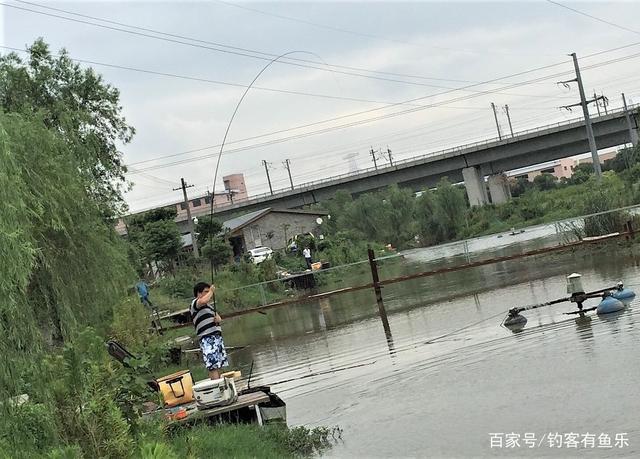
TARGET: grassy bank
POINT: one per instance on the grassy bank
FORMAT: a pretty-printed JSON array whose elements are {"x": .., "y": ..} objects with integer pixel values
[{"x": 241, "y": 441}]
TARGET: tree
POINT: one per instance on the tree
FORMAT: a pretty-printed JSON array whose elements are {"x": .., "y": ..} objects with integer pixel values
[
  {"x": 427, "y": 226},
  {"x": 155, "y": 237},
  {"x": 207, "y": 227},
  {"x": 625, "y": 159},
  {"x": 450, "y": 209},
  {"x": 545, "y": 182},
  {"x": 76, "y": 105},
  {"x": 519, "y": 186},
  {"x": 63, "y": 267},
  {"x": 137, "y": 222},
  {"x": 218, "y": 251},
  {"x": 161, "y": 243},
  {"x": 399, "y": 216}
]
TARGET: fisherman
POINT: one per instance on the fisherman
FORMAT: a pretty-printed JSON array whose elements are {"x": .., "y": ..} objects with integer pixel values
[
  {"x": 206, "y": 321},
  {"x": 306, "y": 253}
]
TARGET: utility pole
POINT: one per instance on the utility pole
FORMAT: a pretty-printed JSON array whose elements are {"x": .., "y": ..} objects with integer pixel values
[
  {"x": 287, "y": 165},
  {"x": 506, "y": 110},
  {"x": 584, "y": 103},
  {"x": 595, "y": 97},
  {"x": 373, "y": 155},
  {"x": 390, "y": 156},
  {"x": 266, "y": 168},
  {"x": 495, "y": 115},
  {"x": 194, "y": 242},
  {"x": 633, "y": 135}
]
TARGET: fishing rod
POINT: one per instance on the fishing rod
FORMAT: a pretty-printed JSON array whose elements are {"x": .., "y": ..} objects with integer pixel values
[
  {"x": 613, "y": 299},
  {"x": 224, "y": 139},
  {"x": 226, "y": 133}
]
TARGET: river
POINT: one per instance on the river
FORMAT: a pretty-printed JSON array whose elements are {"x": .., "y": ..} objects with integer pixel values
[{"x": 549, "y": 390}]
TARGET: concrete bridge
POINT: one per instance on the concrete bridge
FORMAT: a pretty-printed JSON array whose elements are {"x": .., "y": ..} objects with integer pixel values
[{"x": 468, "y": 163}]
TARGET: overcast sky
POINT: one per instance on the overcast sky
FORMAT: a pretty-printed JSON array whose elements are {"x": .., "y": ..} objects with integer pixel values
[{"x": 395, "y": 52}]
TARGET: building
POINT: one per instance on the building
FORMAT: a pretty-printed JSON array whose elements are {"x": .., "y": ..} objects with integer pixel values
[
  {"x": 560, "y": 168},
  {"x": 272, "y": 228},
  {"x": 235, "y": 190}
]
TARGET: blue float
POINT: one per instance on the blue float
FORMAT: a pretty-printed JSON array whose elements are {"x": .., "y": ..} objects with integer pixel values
[
  {"x": 609, "y": 304},
  {"x": 625, "y": 295}
]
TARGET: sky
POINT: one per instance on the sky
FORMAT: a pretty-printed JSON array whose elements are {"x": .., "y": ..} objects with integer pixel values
[{"x": 412, "y": 77}]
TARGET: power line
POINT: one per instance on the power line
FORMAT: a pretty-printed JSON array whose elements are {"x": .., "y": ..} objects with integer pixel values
[
  {"x": 343, "y": 126},
  {"x": 216, "y": 47},
  {"x": 594, "y": 17},
  {"x": 351, "y": 32},
  {"x": 357, "y": 114},
  {"x": 225, "y": 83},
  {"x": 601, "y": 64}
]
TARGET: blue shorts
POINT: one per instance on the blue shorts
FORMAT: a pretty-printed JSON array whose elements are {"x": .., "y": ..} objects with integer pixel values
[{"x": 214, "y": 354}]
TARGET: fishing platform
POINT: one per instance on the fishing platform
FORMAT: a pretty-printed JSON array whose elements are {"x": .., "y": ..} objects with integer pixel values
[
  {"x": 253, "y": 406},
  {"x": 211, "y": 401}
]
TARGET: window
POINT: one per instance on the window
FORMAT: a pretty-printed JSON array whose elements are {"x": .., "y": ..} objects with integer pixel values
[
  {"x": 183, "y": 206},
  {"x": 565, "y": 168},
  {"x": 196, "y": 203},
  {"x": 207, "y": 199}
]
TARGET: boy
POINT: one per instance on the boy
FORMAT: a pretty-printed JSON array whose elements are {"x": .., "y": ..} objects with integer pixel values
[{"x": 207, "y": 324}]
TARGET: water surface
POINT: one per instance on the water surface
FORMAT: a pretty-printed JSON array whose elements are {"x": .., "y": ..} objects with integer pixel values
[{"x": 411, "y": 396}]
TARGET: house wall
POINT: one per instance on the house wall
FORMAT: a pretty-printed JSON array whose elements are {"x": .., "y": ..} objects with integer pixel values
[{"x": 273, "y": 224}]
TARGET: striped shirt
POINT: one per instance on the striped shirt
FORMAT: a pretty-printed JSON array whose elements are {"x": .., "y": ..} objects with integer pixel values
[{"x": 202, "y": 317}]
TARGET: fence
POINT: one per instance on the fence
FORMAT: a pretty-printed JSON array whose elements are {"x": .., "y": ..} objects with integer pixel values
[{"x": 376, "y": 272}]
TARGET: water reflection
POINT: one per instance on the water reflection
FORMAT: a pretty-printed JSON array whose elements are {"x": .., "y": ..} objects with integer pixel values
[{"x": 584, "y": 330}]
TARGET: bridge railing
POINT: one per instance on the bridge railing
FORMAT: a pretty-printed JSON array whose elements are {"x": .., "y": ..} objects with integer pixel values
[{"x": 361, "y": 172}]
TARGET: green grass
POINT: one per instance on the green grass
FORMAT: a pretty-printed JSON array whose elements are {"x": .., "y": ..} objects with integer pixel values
[{"x": 241, "y": 441}]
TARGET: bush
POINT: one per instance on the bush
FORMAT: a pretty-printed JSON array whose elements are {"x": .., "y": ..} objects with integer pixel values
[{"x": 180, "y": 285}]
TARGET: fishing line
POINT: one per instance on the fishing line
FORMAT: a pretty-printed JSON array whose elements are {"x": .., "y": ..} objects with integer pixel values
[{"x": 319, "y": 373}]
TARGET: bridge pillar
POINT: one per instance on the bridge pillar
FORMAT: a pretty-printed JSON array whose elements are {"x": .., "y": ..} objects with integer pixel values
[
  {"x": 499, "y": 188},
  {"x": 474, "y": 183}
]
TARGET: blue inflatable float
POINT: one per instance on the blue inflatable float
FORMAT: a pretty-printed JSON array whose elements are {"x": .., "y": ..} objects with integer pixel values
[
  {"x": 609, "y": 304},
  {"x": 625, "y": 295}
]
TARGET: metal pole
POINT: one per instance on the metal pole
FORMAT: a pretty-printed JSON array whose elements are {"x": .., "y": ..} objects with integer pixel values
[
  {"x": 266, "y": 168},
  {"x": 506, "y": 109},
  {"x": 495, "y": 115},
  {"x": 194, "y": 242},
  {"x": 595, "y": 98},
  {"x": 633, "y": 135},
  {"x": 373, "y": 155},
  {"x": 390, "y": 157},
  {"x": 287, "y": 164},
  {"x": 587, "y": 120}
]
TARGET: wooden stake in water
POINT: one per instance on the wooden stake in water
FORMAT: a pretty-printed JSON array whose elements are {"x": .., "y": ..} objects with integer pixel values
[{"x": 378, "y": 291}]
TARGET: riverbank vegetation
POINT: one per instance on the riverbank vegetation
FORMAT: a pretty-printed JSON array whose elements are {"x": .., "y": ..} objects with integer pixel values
[
  {"x": 65, "y": 281},
  {"x": 396, "y": 216}
]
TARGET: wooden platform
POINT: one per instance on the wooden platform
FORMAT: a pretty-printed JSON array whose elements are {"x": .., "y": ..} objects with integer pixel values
[
  {"x": 182, "y": 316},
  {"x": 244, "y": 401}
]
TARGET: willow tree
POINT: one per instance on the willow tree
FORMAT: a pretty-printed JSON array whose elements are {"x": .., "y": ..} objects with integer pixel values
[{"x": 63, "y": 267}]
